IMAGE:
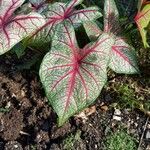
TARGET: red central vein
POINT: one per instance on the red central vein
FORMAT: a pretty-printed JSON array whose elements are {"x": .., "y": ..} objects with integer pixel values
[
  {"x": 70, "y": 8},
  {"x": 84, "y": 84},
  {"x": 7, "y": 36},
  {"x": 7, "y": 15},
  {"x": 140, "y": 15},
  {"x": 92, "y": 49},
  {"x": 68, "y": 35},
  {"x": 121, "y": 54},
  {"x": 71, "y": 82},
  {"x": 74, "y": 50}
]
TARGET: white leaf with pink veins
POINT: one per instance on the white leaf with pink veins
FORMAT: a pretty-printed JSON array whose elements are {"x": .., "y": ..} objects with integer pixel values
[{"x": 13, "y": 29}]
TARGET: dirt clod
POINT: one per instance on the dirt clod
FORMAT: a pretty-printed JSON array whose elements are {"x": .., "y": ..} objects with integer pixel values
[
  {"x": 13, "y": 124},
  {"x": 13, "y": 145}
]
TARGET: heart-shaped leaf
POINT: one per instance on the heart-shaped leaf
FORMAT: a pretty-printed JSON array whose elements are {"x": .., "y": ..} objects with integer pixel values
[
  {"x": 59, "y": 12},
  {"x": 123, "y": 58},
  {"x": 111, "y": 17},
  {"x": 73, "y": 77},
  {"x": 142, "y": 20},
  {"x": 14, "y": 29}
]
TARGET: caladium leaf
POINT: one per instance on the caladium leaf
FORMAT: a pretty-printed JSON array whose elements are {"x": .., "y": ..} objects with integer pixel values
[
  {"x": 142, "y": 20},
  {"x": 92, "y": 29},
  {"x": 14, "y": 29},
  {"x": 123, "y": 58},
  {"x": 141, "y": 3},
  {"x": 72, "y": 3},
  {"x": 73, "y": 77},
  {"x": 39, "y": 5},
  {"x": 59, "y": 12},
  {"x": 111, "y": 17}
]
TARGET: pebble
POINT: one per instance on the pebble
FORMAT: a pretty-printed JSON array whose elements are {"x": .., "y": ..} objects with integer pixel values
[
  {"x": 148, "y": 147},
  {"x": 126, "y": 111},
  {"x": 104, "y": 108},
  {"x": 118, "y": 118},
  {"x": 13, "y": 145},
  {"x": 148, "y": 134},
  {"x": 148, "y": 126},
  {"x": 117, "y": 112}
]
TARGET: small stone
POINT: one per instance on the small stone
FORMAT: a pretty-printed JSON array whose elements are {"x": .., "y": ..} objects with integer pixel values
[
  {"x": 132, "y": 131},
  {"x": 148, "y": 126},
  {"x": 135, "y": 124},
  {"x": 23, "y": 93},
  {"x": 104, "y": 108},
  {"x": 8, "y": 105},
  {"x": 118, "y": 118},
  {"x": 126, "y": 111},
  {"x": 117, "y": 112},
  {"x": 13, "y": 145},
  {"x": 148, "y": 134},
  {"x": 148, "y": 147}
]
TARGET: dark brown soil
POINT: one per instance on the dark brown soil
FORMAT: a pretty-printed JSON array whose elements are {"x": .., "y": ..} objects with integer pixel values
[{"x": 28, "y": 122}]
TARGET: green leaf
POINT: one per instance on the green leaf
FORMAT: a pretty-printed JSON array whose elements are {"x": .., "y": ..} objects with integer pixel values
[
  {"x": 142, "y": 20},
  {"x": 19, "y": 49},
  {"x": 73, "y": 77}
]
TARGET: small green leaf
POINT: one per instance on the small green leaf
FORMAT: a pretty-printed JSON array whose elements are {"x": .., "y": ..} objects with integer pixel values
[{"x": 19, "y": 49}]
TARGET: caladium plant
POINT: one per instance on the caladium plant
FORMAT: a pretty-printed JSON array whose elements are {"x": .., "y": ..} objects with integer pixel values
[
  {"x": 122, "y": 55},
  {"x": 142, "y": 20},
  {"x": 57, "y": 13},
  {"x": 73, "y": 77},
  {"x": 15, "y": 28}
]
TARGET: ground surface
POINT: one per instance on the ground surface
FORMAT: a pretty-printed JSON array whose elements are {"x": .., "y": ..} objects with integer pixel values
[{"x": 28, "y": 122}]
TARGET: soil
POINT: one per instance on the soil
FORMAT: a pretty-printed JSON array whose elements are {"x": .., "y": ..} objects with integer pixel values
[{"x": 28, "y": 122}]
